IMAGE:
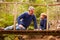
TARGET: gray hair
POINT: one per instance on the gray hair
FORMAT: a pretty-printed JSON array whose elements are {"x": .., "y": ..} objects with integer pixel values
[{"x": 31, "y": 8}]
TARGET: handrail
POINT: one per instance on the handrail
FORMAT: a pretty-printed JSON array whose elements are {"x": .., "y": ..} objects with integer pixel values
[{"x": 29, "y": 3}]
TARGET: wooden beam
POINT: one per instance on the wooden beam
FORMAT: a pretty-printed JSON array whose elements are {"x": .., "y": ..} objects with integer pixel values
[
  {"x": 30, "y": 32},
  {"x": 29, "y": 3}
]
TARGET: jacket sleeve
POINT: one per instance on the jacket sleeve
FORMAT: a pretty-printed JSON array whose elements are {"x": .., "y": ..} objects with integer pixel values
[
  {"x": 19, "y": 18},
  {"x": 35, "y": 22}
]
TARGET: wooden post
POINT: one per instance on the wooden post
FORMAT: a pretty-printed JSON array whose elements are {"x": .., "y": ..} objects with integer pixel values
[
  {"x": 15, "y": 14},
  {"x": 47, "y": 17}
]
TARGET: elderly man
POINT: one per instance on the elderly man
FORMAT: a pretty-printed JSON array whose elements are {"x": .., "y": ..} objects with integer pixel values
[{"x": 25, "y": 20}]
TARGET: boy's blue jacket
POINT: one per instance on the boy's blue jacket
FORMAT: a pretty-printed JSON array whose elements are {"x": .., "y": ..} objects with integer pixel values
[{"x": 43, "y": 23}]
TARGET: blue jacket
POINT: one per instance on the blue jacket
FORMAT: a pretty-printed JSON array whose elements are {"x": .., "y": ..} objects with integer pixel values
[
  {"x": 43, "y": 23},
  {"x": 25, "y": 19}
]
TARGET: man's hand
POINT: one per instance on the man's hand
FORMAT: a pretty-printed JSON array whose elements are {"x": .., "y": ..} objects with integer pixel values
[{"x": 21, "y": 26}]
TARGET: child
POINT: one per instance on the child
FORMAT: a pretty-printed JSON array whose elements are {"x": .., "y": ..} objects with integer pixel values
[{"x": 43, "y": 21}]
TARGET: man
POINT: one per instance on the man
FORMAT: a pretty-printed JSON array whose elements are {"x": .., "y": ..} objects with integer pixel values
[{"x": 25, "y": 20}]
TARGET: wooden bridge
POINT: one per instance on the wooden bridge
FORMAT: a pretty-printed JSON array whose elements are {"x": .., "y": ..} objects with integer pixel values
[{"x": 31, "y": 33}]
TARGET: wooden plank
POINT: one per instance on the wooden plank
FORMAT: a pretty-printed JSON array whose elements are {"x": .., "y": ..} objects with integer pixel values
[{"x": 30, "y": 32}]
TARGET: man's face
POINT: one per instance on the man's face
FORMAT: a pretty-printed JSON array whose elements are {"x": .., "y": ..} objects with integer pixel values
[{"x": 31, "y": 11}]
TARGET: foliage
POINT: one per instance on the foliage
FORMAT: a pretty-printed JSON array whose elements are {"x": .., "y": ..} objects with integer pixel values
[
  {"x": 39, "y": 10},
  {"x": 6, "y": 20}
]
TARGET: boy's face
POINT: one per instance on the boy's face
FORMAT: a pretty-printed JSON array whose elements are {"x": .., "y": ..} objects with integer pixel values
[{"x": 42, "y": 17}]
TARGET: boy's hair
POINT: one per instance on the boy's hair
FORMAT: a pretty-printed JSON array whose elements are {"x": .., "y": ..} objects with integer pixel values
[{"x": 44, "y": 14}]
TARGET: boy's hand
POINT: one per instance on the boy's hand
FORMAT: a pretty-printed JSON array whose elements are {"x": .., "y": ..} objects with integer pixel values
[{"x": 35, "y": 29}]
